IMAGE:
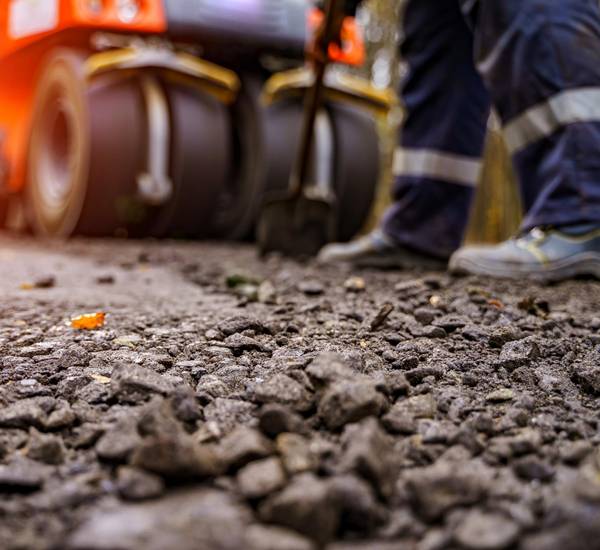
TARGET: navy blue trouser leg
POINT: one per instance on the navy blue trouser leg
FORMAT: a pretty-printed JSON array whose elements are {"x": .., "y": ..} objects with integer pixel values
[
  {"x": 447, "y": 106},
  {"x": 540, "y": 60}
]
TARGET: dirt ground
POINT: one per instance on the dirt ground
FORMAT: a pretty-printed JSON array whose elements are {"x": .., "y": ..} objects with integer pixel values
[{"x": 233, "y": 404}]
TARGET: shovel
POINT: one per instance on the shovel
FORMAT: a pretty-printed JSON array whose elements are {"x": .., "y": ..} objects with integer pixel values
[{"x": 302, "y": 220}]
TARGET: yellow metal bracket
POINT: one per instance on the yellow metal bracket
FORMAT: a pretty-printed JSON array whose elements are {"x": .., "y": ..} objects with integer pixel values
[
  {"x": 212, "y": 79},
  {"x": 339, "y": 86}
]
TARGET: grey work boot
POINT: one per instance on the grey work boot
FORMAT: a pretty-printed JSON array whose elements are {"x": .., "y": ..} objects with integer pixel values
[
  {"x": 377, "y": 250},
  {"x": 542, "y": 254}
]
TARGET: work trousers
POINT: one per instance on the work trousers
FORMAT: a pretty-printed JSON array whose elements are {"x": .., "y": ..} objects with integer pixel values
[{"x": 537, "y": 62}]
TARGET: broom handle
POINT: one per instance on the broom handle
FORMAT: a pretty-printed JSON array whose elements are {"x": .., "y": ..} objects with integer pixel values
[{"x": 313, "y": 101}]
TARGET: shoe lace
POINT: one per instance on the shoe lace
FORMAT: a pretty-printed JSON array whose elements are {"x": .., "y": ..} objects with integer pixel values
[{"x": 536, "y": 234}]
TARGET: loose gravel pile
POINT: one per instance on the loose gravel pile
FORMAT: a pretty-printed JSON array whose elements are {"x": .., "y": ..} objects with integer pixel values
[{"x": 229, "y": 403}]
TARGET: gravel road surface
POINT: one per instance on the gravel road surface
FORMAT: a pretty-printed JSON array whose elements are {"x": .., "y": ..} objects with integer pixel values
[{"x": 229, "y": 403}]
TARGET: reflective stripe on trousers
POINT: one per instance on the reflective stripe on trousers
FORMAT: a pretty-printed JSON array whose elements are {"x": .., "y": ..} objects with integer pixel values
[
  {"x": 539, "y": 122},
  {"x": 438, "y": 165}
]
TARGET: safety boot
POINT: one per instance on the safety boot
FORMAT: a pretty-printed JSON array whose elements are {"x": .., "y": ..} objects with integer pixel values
[
  {"x": 543, "y": 254},
  {"x": 377, "y": 250}
]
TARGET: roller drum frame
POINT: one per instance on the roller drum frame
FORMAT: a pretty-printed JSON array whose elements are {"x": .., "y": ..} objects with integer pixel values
[
  {"x": 164, "y": 160},
  {"x": 149, "y": 158}
]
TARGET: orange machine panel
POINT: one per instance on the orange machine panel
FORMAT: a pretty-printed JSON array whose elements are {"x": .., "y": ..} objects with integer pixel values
[
  {"x": 28, "y": 29},
  {"x": 149, "y": 19},
  {"x": 23, "y": 22}
]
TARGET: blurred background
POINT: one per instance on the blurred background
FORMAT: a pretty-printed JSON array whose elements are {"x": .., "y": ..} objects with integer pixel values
[{"x": 167, "y": 118}]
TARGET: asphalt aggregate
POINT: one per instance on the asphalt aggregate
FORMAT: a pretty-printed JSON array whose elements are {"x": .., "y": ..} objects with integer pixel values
[{"x": 228, "y": 402}]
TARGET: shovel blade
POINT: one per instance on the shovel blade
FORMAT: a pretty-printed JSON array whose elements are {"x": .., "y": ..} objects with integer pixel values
[{"x": 297, "y": 227}]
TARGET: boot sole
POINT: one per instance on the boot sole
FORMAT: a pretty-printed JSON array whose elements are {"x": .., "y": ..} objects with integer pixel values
[
  {"x": 400, "y": 261},
  {"x": 581, "y": 265}
]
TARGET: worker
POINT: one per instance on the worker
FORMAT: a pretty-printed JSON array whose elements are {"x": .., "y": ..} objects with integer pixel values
[{"x": 538, "y": 63}]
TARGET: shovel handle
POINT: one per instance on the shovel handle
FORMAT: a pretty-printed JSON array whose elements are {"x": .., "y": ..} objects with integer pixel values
[{"x": 313, "y": 100}]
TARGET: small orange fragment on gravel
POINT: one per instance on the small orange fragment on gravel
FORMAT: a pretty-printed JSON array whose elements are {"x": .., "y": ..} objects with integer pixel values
[
  {"x": 496, "y": 303},
  {"x": 89, "y": 321},
  {"x": 26, "y": 286}
]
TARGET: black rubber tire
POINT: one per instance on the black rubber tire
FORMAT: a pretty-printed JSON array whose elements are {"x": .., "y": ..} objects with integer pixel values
[
  {"x": 117, "y": 135},
  {"x": 283, "y": 125},
  {"x": 241, "y": 197},
  {"x": 3, "y": 212},
  {"x": 201, "y": 159},
  {"x": 86, "y": 140},
  {"x": 357, "y": 167},
  {"x": 59, "y": 148}
]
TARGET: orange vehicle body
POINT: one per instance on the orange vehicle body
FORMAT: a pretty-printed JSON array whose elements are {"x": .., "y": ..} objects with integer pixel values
[{"x": 22, "y": 53}]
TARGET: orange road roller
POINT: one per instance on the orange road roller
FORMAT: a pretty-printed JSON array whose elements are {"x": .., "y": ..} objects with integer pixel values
[{"x": 172, "y": 118}]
